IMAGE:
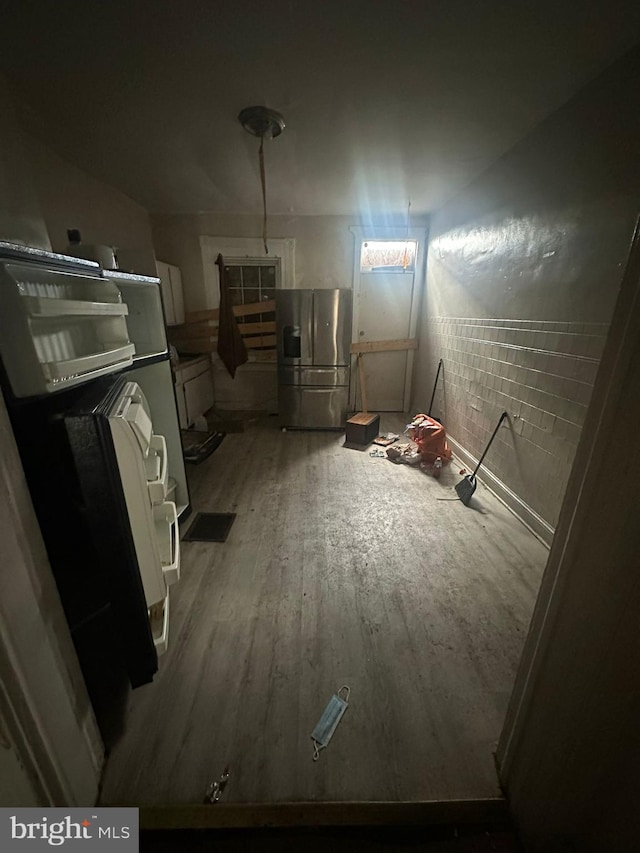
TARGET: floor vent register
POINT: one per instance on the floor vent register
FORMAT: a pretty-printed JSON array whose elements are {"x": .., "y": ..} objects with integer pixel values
[{"x": 210, "y": 527}]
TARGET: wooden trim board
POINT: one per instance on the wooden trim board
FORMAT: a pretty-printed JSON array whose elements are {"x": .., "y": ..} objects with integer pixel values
[
  {"x": 265, "y": 307},
  {"x": 200, "y": 316},
  {"x": 193, "y": 330},
  {"x": 382, "y": 813},
  {"x": 363, "y": 392},
  {"x": 384, "y": 346},
  {"x": 200, "y": 331},
  {"x": 195, "y": 345},
  {"x": 257, "y": 328},
  {"x": 260, "y": 341}
]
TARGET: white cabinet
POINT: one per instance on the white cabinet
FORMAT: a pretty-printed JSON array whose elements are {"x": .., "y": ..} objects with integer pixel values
[
  {"x": 198, "y": 395},
  {"x": 172, "y": 296},
  {"x": 194, "y": 390}
]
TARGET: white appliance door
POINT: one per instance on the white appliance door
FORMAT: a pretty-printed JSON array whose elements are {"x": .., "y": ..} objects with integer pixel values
[{"x": 134, "y": 484}]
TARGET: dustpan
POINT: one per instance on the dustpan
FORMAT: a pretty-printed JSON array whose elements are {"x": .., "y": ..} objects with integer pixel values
[{"x": 467, "y": 486}]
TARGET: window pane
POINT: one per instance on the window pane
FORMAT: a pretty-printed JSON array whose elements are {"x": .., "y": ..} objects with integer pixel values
[
  {"x": 250, "y": 277},
  {"x": 234, "y": 276},
  {"x": 267, "y": 294},
  {"x": 268, "y": 276},
  {"x": 251, "y": 295},
  {"x": 390, "y": 255},
  {"x": 235, "y": 295}
]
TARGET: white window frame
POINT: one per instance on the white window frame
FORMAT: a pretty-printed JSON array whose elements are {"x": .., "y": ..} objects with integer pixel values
[
  {"x": 247, "y": 249},
  {"x": 389, "y": 270},
  {"x": 257, "y": 262}
]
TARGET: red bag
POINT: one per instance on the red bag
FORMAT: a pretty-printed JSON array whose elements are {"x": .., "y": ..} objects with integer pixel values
[{"x": 431, "y": 438}]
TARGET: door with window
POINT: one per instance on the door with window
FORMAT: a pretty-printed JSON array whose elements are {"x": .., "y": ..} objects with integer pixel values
[{"x": 385, "y": 309}]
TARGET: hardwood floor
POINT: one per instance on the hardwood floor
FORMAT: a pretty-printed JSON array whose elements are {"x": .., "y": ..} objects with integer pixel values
[{"x": 340, "y": 569}]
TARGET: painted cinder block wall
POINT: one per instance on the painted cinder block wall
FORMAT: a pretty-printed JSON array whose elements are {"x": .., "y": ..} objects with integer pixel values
[{"x": 523, "y": 270}]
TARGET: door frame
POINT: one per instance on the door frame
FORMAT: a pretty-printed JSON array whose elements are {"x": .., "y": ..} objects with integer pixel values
[
  {"x": 537, "y": 762},
  {"x": 360, "y": 235}
]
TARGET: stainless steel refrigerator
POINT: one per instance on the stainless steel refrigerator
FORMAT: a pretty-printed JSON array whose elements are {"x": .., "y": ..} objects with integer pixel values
[{"x": 314, "y": 338}]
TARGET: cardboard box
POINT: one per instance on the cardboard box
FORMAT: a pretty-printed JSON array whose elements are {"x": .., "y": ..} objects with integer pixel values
[{"x": 361, "y": 429}]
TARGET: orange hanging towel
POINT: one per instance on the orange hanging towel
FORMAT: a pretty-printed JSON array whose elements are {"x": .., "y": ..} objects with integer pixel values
[{"x": 231, "y": 348}]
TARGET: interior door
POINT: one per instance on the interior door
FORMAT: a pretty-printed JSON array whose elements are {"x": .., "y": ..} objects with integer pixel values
[{"x": 384, "y": 313}]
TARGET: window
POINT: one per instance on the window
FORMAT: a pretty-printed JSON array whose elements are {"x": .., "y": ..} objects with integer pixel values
[
  {"x": 388, "y": 256},
  {"x": 253, "y": 282},
  {"x": 244, "y": 252}
]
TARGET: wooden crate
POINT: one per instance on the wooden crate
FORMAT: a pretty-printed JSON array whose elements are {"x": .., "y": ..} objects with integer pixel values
[{"x": 362, "y": 428}]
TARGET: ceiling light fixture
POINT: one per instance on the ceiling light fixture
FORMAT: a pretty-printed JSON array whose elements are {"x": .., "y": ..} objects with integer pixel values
[{"x": 265, "y": 124}]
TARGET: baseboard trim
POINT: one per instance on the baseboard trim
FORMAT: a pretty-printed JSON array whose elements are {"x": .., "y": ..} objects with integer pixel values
[
  {"x": 315, "y": 814},
  {"x": 528, "y": 516}
]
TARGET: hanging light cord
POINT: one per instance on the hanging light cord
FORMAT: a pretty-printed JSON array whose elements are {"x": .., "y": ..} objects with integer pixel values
[{"x": 264, "y": 196}]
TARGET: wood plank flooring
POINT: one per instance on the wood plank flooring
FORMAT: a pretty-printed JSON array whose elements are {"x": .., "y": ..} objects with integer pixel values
[{"x": 340, "y": 569}]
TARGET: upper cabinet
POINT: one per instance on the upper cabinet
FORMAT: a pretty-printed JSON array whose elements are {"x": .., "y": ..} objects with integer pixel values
[{"x": 171, "y": 283}]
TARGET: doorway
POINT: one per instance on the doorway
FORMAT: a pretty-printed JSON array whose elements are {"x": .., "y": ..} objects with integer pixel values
[{"x": 387, "y": 284}]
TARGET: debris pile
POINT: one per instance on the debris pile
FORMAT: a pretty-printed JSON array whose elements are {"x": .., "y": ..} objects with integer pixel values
[
  {"x": 428, "y": 446},
  {"x": 407, "y": 453}
]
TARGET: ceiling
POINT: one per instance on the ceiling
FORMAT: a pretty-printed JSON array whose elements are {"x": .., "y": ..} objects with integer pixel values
[{"x": 385, "y": 101}]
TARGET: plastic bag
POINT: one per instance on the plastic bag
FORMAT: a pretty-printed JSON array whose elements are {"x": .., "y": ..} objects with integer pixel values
[{"x": 431, "y": 438}]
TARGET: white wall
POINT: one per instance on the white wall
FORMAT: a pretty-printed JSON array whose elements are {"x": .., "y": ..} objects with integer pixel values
[
  {"x": 323, "y": 258},
  {"x": 324, "y": 248},
  {"x": 70, "y": 198},
  {"x": 21, "y": 217},
  {"x": 42, "y": 195}
]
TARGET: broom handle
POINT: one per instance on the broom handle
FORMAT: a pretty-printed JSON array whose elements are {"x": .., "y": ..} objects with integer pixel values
[
  {"x": 502, "y": 417},
  {"x": 435, "y": 385}
]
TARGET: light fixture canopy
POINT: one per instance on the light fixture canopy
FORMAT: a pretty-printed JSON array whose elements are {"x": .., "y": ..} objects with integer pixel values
[{"x": 262, "y": 122}]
